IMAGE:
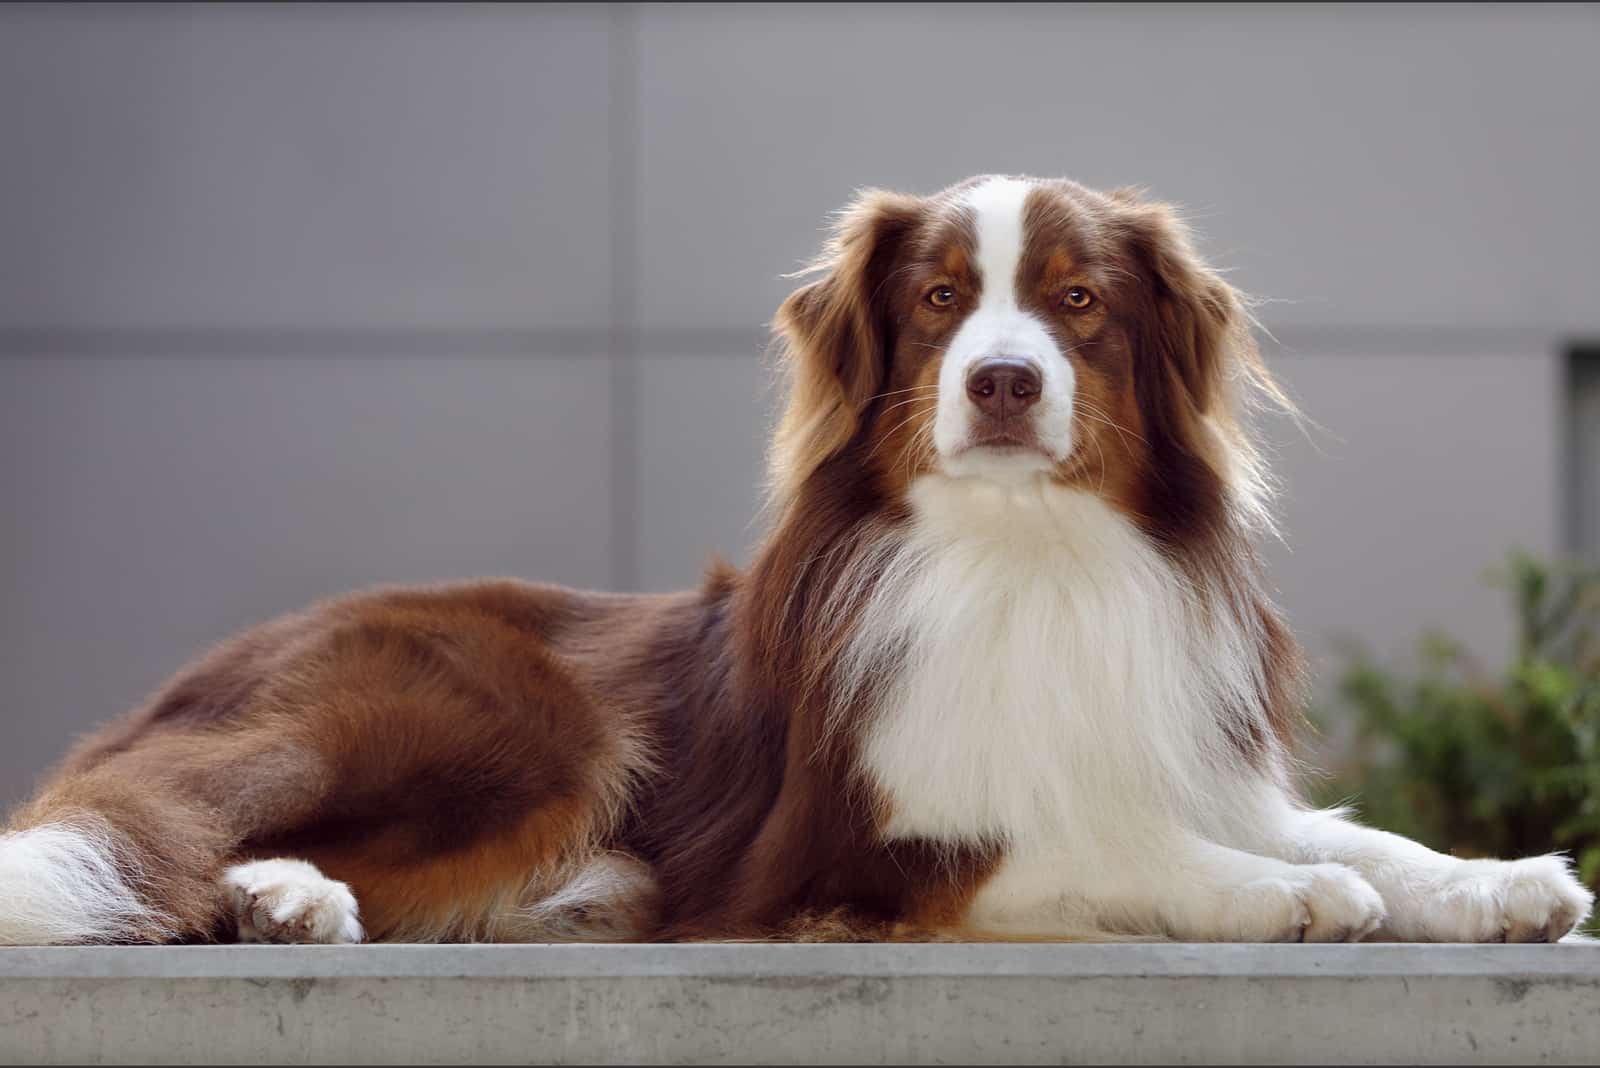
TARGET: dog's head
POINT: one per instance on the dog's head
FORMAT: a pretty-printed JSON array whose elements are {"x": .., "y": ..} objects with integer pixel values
[{"x": 1017, "y": 329}]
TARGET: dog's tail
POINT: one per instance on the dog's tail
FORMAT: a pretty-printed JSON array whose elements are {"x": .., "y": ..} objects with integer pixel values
[{"x": 69, "y": 883}]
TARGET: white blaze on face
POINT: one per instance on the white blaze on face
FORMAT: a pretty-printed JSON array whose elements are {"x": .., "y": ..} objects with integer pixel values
[{"x": 1000, "y": 327}]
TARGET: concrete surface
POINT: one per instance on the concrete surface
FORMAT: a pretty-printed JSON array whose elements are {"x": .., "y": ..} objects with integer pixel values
[{"x": 796, "y": 1004}]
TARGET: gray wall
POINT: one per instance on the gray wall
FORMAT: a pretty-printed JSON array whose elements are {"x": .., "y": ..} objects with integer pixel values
[{"x": 295, "y": 299}]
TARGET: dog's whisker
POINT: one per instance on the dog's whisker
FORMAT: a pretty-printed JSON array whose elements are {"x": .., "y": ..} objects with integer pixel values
[
  {"x": 1122, "y": 431},
  {"x": 913, "y": 417},
  {"x": 910, "y": 389}
]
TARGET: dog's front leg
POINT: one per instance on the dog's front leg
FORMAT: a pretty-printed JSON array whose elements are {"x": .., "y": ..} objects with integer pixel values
[
  {"x": 1181, "y": 887},
  {"x": 1430, "y": 897}
]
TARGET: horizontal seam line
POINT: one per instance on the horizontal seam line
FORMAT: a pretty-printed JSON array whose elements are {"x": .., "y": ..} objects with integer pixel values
[{"x": 542, "y": 342}]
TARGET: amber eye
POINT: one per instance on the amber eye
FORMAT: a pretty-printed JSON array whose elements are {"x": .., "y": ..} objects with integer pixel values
[
  {"x": 1078, "y": 297},
  {"x": 941, "y": 296}
]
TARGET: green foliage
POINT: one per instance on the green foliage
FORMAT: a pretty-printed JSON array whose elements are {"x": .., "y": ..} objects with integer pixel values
[{"x": 1482, "y": 765}]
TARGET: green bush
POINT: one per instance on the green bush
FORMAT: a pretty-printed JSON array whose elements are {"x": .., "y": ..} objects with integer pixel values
[{"x": 1477, "y": 764}]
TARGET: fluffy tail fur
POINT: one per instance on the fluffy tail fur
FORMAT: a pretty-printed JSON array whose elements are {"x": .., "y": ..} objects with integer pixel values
[{"x": 68, "y": 884}]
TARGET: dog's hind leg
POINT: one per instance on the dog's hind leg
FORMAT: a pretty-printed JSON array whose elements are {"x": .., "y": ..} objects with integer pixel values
[
  {"x": 132, "y": 847},
  {"x": 281, "y": 900},
  {"x": 430, "y": 754}
]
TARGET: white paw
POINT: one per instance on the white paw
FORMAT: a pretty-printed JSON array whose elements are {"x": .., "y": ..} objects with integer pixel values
[
  {"x": 1532, "y": 900},
  {"x": 1306, "y": 903},
  {"x": 290, "y": 901}
]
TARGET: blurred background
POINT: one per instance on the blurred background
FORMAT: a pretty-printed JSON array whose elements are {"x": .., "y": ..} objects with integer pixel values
[{"x": 296, "y": 299}]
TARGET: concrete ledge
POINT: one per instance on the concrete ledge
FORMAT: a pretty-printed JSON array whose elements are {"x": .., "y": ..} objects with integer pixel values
[{"x": 802, "y": 1004}]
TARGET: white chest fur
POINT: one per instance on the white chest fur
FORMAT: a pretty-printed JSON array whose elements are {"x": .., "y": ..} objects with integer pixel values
[{"x": 1055, "y": 685}]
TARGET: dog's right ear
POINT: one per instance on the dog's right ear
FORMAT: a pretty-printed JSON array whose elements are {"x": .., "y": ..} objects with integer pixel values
[{"x": 836, "y": 338}]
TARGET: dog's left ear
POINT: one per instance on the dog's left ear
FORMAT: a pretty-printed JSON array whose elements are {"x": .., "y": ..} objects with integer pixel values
[
  {"x": 1197, "y": 368},
  {"x": 1195, "y": 326},
  {"x": 837, "y": 338}
]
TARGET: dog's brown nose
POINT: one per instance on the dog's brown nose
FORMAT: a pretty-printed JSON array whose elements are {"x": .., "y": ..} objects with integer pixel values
[{"x": 1003, "y": 386}]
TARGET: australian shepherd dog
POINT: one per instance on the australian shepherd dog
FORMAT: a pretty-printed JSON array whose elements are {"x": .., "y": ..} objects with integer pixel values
[{"x": 1003, "y": 667}]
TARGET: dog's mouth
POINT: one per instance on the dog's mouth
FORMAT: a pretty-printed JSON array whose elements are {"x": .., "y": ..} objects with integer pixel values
[
  {"x": 1005, "y": 441},
  {"x": 1003, "y": 455}
]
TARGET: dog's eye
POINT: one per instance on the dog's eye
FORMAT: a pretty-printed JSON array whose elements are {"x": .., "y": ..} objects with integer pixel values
[
  {"x": 1078, "y": 298},
  {"x": 941, "y": 296}
]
